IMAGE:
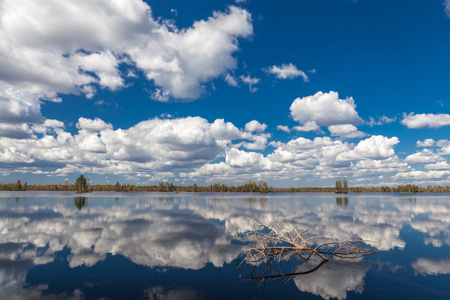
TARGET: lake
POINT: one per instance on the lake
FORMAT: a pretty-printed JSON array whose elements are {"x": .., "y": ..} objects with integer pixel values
[{"x": 191, "y": 245}]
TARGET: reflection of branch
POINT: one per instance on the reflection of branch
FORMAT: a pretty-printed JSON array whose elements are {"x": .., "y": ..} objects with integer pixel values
[{"x": 272, "y": 246}]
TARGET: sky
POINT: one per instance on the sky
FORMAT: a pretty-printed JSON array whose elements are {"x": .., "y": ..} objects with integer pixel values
[{"x": 294, "y": 93}]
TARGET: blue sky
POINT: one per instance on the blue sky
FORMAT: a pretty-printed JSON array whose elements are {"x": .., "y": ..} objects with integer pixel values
[{"x": 296, "y": 93}]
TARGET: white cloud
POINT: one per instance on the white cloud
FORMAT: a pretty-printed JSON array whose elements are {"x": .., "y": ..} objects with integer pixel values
[
  {"x": 238, "y": 158},
  {"x": 308, "y": 126},
  {"x": 222, "y": 130},
  {"x": 255, "y": 126},
  {"x": 18, "y": 107},
  {"x": 48, "y": 126},
  {"x": 250, "y": 81},
  {"x": 375, "y": 147},
  {"x": 440, "y": 165},
  {"x": 425, "y": 156},
  {"x": 78, "y": 46},
  {"x": 305, "y": 153},
  {"x": 421, "y": 175},
  {"x": 160, "y": 95},
  {"x": 93, "y": 125},
  {"x": 443, "y": 143},
  {"x": 288, "y": 71},
  {"x": 154, "y": 145},
  {"x": 426, "y": 143},
  {"x": 231, "y": 80},
  {"x": 447, "y": 7},
  {"x": 371, "y": 167},
  {"x": 325, "y": 109},
  {"x": 381, "y": 120},
  {"x": 346, "y": 131},
  {"x": 16, "y": 131},
  {"x": 425, "y": 120},
  {"x": 444, "y": 150},
  {"x": 259, "y": 142},
  {"x": 284, "y": 128},
  {"x": 13, "y": 155}
]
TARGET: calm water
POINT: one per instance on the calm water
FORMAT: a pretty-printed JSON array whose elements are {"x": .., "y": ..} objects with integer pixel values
[{"x": 188, "y": 245}]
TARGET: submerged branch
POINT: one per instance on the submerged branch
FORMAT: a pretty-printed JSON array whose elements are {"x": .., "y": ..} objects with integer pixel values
[{"x": 277, "y": 245}]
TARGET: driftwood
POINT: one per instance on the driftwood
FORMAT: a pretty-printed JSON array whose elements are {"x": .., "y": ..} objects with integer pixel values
[{"x": 273, "y": 246}]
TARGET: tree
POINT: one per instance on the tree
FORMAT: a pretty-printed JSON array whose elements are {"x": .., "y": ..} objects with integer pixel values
[
  {"x": 19, "y": 185},
  {"x": 341, "y": 186},
  {"x": 338, "y": 186},
  {"x": 81, "y": 184},
  {"x": 345, "y": 186}
]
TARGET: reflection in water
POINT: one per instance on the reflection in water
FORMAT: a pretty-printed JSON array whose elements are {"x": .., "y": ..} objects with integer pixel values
[
  {"x": 261, "y": 200},
  {"x": 426, "y": 266},
  {"x": 279, "y": 246},
  {"x": 160, "y": 292},
  {"x": 181, "y": 238},
  {"x": 342, "y": 201},
  {"x": 80, "y": 202},
  {"x": 334, "y": 280},
  {"x": 165, "y": 199}
]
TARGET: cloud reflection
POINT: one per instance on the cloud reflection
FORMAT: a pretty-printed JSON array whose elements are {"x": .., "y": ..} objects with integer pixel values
[
  {"x": 334, "y": 280},
  {"x": 189, "y": 234},
  {"x": 427, "y": 266}
]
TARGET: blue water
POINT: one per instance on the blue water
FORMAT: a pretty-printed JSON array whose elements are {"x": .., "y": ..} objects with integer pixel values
[{"x": 190, "y": 245}]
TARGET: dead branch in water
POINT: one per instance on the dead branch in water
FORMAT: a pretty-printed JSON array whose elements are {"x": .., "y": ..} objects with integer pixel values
[{"x": 275, "y": 245}]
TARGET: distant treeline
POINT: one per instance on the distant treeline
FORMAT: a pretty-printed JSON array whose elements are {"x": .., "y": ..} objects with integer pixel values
[{"x": 250, "y": 186}]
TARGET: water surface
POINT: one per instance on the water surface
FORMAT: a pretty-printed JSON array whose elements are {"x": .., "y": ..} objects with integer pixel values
[{"x": 189, "y": 245}]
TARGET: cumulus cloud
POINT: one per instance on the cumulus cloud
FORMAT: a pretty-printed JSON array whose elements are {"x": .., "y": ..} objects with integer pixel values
[
  {"x": 288, "y": 71},
  {"x": 231, "y": 80},
  {"x": 422, "y": 175},
  {"x": 250, "y": 81},
  {"x": 297, "y": 158},
  {"x": 425, "y": 120},
  {"x": 18, "y": 107},
  {"x": 440, "y": 165},
  {"x": 93, "y": 125},
  {"x": 15, "y": 131},
  {"x": 308, "y": 126},
  {"x": 372, "y": 167},
  {"x": 375, "y": 147},
  {"x": 259, "y": 142},
  {"x": 255, "y": 126},
  {"x": 238, "y": 158},
  {"x": 153, "y": 145},
  {"x": 425, "y": 156},
  {"x": 443, "y": 143},
  {"x": 426, "y": 143},
  {"x": 346, "y": 131},
  {"x": 325, "y": 109},
  {"x": 284, "y": 128},
  {"x": 79, "y": 46},
  {"x": 381, "y": 121}
]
